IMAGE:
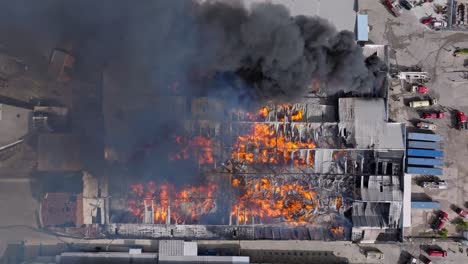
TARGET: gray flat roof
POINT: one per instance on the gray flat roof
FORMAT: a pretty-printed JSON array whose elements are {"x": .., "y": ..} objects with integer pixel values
[
  {"x": 363, "y": 123},
  {"x": 340, "y": 13}
]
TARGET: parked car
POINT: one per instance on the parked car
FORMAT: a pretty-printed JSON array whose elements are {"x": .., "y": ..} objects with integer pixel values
[
  {"x": 427, "y": 20},
  {"x": 425, "y": 125},
  {"x": 424, "y": 259},
  {"x": 417, "y": 88},
  {"x": 439, "y": 24},
  {"x": 462, "y": 213},
  {"x": 442, "y": 185},
  {"x": 443, "y": 215},
  {"x": 374, "y": 254},
  {"x": 461, "y": 120},
  {"x": 437, "y": 253},
  {"x": 394, "y": 7},
  {"x": 406, "y": 4},
  {"x": 440, "y": 222},
  {"x": 433, "y": 115}
]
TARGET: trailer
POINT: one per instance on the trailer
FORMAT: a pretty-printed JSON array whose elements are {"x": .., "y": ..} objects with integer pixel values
[
  {"x": 425, "y": 137},
  {"x": 425, "y": 162},
  {"x": 425, "y": 153},
  {"x": 424, "y": 171},
  {"x": 412, "y": 76},
  {"x": 424, "y": 145}
]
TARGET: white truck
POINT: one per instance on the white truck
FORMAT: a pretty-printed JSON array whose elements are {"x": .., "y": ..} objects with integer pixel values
[
  {"x": 442, "y": 185},
  {"x": 423, "y": 103}
]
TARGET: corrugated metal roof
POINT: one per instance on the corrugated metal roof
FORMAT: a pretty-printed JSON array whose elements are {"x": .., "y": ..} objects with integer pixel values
[
  {"x": 58, "y": 209},
  {"x": 426, "y": 162},
  {"x": 425, "y": 137},
  {"x": 427, "y": 171},
  {"x": 370, "y": 49},
  {"x": 425, "y": 153},
  {"x": 382, "y": 188},
  {"x": 171, "y": 248},
  {"x": 107, "y": 257},
  {"x": 204, "y": 259},
  {"x": 190, "y": 249},
  {"x": 363, "y": 124},
  {"x": 362, "y": 27},
  {"x": 406, "y": 201},
  {"x": 424, "y": 144},
  {"x": 425, "y": 205}
]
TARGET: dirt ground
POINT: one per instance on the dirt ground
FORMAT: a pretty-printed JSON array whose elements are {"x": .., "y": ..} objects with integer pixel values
[{"x": 413, "y": 45}]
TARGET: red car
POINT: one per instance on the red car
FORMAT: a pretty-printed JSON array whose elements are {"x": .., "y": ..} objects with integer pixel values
[
  {"x": 438, "y": 115},
  {"x": 437, "y": 253},
  {"x": 440, "y": 222},
  {"x": 461, "y": 120},
  {"x": 416, "y": 88},
  {"x": 443, "y": 215},
  {"x": 462, "y": 213},
  {"x": 427, "y": 20},
  {"x": 461, "y": 117}
]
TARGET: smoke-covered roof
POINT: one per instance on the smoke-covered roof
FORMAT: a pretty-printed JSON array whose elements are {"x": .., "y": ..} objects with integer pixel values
[
  {"x": 340, "y": 13},
  {"x": 363, "y": 124},
  {"x": 14, "y": 123}
]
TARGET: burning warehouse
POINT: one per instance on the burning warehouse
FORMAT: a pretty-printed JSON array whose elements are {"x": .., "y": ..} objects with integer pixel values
[
  {"x": 283, "y": 172},
  {"x": 245, "y": 135}
]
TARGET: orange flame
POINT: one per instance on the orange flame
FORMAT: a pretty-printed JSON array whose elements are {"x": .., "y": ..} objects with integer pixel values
[
  {"x": 336, "y": 230},
  {"x": 199, "y": 147},
  {"x": 292, "y": 202},
  {"x": 187, "y": 205},
  {"x": 265, "y": 145}
]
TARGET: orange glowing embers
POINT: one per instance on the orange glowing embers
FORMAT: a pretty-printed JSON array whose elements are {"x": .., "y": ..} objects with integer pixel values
[
  {"x": 184, "y": 206},
  {"x": 336, "y": 230},
  {"x": 264, "y": 145},
  {"x": 293, "y": 202},
  {"x": 199, "y": 147},
  {"x": 290, "y": 112}
]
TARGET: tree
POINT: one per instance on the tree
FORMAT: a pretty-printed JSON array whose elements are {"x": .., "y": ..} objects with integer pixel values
[
  {"x": 443, "y": 233},
  {"x": 461, "y": 225}
]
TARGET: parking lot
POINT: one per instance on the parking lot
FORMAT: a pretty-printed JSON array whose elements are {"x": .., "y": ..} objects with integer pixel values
[{"x": 417, "y": 46}]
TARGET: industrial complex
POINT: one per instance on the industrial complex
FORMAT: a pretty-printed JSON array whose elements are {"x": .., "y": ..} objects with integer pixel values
[{"x": 111, "y": 158}]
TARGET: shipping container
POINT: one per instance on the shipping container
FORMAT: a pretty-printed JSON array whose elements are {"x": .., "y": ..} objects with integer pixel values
[
  {"x": 425, "y": 153},
  {"x": 423, "y": 145},
  {"x": 425, "y": 162},
  {"x": 425, "y": 205},
  {"x": 425, "y": 137},
  {"x": 424, "y": 171}
]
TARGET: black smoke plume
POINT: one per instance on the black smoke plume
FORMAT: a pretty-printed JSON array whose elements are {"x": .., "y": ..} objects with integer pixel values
[
  {"x": 276, "y": 55},
  {"x": 216, "y": 48}
]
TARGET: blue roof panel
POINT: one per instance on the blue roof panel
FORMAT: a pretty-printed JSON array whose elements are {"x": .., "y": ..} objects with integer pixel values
[
  {"x": 425, "y": 137},
  {"x": 424, "y": 144},
  {"x": 425, "y": 205},
  {"x": 425, "y": 171},
  {"x": 362, "y": 27},
  {"x": 425, "y": 153},
  {"x": 425, "y": 162}
]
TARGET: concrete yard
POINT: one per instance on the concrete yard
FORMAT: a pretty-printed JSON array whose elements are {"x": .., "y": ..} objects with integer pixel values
[{"x": 416, "y": 45}]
